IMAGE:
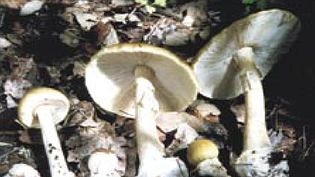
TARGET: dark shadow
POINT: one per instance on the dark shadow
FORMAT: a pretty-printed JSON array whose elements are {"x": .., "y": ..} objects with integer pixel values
[{"x": 8, "y": 120}]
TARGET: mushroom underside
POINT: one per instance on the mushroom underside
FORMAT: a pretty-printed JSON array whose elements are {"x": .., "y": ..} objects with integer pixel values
[
  {"x": 112, "y": 85},
  {"x": 269, "y": 33}
]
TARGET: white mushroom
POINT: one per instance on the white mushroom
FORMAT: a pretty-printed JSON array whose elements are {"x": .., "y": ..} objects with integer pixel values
[
  {"x": 22, "y": 170},
  {"x": 103, "y": 164},
  {"x": 43, "y": 108},
  {"x": 138, "y": 80},
  {"x": 234, "y": 62}
]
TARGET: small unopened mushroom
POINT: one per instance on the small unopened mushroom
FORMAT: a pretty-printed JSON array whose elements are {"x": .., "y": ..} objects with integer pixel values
[
  {"x": 203, "y": 155},
  {"x": 234, "y": 62},
  {"x": 138, "y": 80},
  {"x": 43, "y": 108},
  {"x": 103, "y": 163},
  {"x": 22, "y": 170}
]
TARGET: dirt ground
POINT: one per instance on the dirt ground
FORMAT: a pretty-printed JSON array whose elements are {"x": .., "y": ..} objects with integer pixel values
[{"x": 49, "y": 44}]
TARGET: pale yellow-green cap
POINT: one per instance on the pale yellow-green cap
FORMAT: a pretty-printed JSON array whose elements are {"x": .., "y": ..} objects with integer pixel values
[
  {"x": 55, "y": 101},
  {"x": 201, "y": 150}
]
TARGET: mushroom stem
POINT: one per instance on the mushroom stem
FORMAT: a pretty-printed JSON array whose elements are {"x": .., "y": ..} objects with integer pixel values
[
  {"x": 255, "y": 133},
  {"x": 150, "y": 148},
  {"x": 57, "y": 163}
]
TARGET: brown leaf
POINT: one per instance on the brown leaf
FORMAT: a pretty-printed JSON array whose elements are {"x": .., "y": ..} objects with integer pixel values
[
  {"x": 183, "y": 136},
  {"x": 81, "y": 112},
  {"x": 14, "y": 4}
]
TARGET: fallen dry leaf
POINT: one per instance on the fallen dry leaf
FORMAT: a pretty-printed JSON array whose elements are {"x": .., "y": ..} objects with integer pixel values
[
  {"x": 182, "y": 138},
  {"x": 91, "y": 135},
  {"x": 86, "y": 20},
  {"x": 4, "y": 43},
  {"x": 81, "y": 111},
  {"x": 31, "y": 7},
  {"x": 15, "y": 89},
  {"x": 14, "y": 4},
  {"x": 70, "y": 37},
  {"x": 195, "y": 13},
  {"x": 206, "y": 111},
  {"x": 239, "y": 112}
]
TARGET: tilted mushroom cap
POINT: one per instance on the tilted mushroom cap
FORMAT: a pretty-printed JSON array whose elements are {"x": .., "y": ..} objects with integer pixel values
[
  {"x": 56, "y": 101},
  {"x": 269, "y": 33},
  {"x": 110, "y": 78}
]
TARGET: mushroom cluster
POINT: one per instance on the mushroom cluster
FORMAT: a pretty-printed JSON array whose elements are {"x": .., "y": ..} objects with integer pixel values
[
  {"x": 42, "y": 108},
  {"x": 139, "y": 81},
  {"x": 233, "y": 63}
]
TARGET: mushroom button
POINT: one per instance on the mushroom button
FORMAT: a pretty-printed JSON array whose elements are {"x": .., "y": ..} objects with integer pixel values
[
  {"x": 201, "y": 150},
  {"x": 203, "y": 155},
  {"x": 138, "y": 80},
  {"x": 22, "y": 170},
  {"x": 97, "y": 160},
  {"x": 43, "y": 108},
  {"x": 235, "y": 61}
]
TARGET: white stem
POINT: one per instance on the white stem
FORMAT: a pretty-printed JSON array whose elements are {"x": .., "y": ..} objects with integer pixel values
[
  {"x": 57, "y": 162},
  {"x": 150, "y": 148},
  {"x": 255, "y": 133}
]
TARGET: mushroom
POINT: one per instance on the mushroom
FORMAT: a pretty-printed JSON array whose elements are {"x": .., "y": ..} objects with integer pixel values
[
  {"x": 22, "y": 170},
  {"x": 139, "y": 80},
  {"x": 98, "y": 159},
  {"x": 234, "y": 62},
  {"x": 44, "y": 107},
  {"x": 203, "y": 154}
]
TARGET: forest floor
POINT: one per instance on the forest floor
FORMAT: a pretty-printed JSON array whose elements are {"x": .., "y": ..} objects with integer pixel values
[{"x": 49, "y": 44}]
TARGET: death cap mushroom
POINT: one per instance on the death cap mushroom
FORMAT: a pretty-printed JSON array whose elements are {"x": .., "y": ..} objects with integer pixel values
[
  {"x": 35, "y": 97},
  {"x": 269, "y": 33},
  {"x": 110, "y": 78},
  {"x": 42, "y": 108},
  {"x": 201, "y": 150}
]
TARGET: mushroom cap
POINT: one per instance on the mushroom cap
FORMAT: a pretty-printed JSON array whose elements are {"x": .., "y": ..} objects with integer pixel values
[
  {"x": 269, "y": 33},
  {"x": 56, "y": 101},
  {"x": 201, "y": 150},
  {"x": 110, "y": 78},
  {"x": 98, "y": 159},
  {"x": 22, "y": 170}
]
